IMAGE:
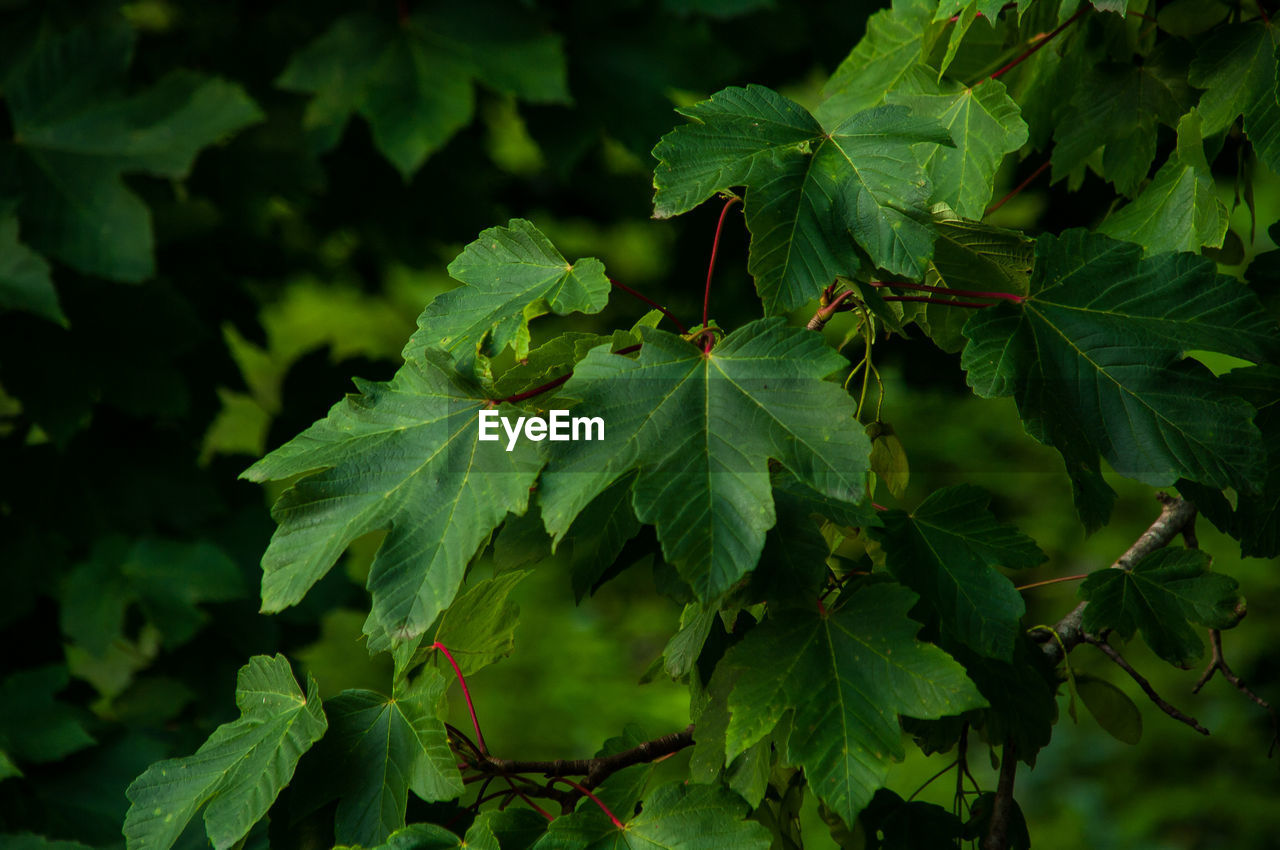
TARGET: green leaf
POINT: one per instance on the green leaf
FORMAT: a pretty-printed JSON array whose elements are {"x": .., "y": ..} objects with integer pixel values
[
  {"x": 758, "y": 395},
  {"x": 1236, "y": 66},
  {"x": 897, "y": 39},
  {"x": 238, "y": 772},
  {"x": 166, "y": 579},
  {"x": 1021, "y": 693},
  {"x": 947, "y": 550},
  {"x": 1179, "y": 210},
  {"x": 1091, "y": 355},
  {"x": 513, "y": 274},
  {"x": 1118, "y": 108},
  {"x": 1255, "y": 520},
  {"x": 24, "y": 277},
  {"x": 34, "y": 726},
  {"x": 676, "y": 816},
  {"x": 813, "y": 191},
  {"x": 413, "y": 80},
  {"x": 75, "y": 135},
  {"x": 598, "y": 535},
  {"x": 377, "y": 749},
  {"x": 985, "y": 124},
  {"x": 907, "y": 826},
  {"x": 418, "y": 836},
  {"x": 403, "y": 456},
  {"x": 1162, "y": 596},
  {"x": 846, "y": 676},
  {"x": 1114, "y": 711},
  {"x": 977, "y": 257},
  {"x": 479, "y": 628}
]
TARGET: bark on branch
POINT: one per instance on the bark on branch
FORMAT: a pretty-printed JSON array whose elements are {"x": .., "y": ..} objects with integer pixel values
[
  {"x": 997, "y": 837},
  {"x": 1175, "y": 516}
]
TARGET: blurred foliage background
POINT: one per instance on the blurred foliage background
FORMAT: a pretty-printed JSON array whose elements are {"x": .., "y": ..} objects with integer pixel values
[{"x": 283, "y": 269}]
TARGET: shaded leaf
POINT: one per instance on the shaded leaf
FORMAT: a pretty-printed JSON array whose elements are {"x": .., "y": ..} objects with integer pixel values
[
  {"x": 413, "y": 80},
  {"x": 1114, "y": 711},
  {"x": 947, "y": 550},
  {"x": 1236, "y": 66},
  {"x": 76, "y": 135},
  {"x": 238, "y": 772},
  {"x": 1161, "y": 597},
  {"x": 846, "y": 677},
  {"x": 34, "y": 726},
  {"x": 479, "y": 627},
  {"x": 1092, "y": 353},
  {"x": 984, "y": 123},
  {"x": 24, "y": 276},
  {"x": 1179, "y": 210}
]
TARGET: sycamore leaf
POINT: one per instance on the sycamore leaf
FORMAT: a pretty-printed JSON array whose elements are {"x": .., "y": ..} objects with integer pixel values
[
  {"x": 419, "y": 836},
  {"x": 1254, "y": 520},
  {"x": 24, "y": 276},
  {"x": 985, "y": 124},
  {"x": 512, "y": 274},
  {"x": 701, "y": 429},
  {"x": 402, "y": 456},
  {"x": 479, "y": 627},
  {"x": 1161, "y": 597},
  {"x": 897, "y": 39},
  {"x": 973, "y": 256},
  {"x": 676, "y": 816},
  {"x": 1179, "y": 210},
  {"x": 413, "y": 80},
  {"x": 598, "y": 534},
  {"x": 34, "y": 726},
  {"x": 377, "y": 749},
  {"x": 946, "y": 550},
  {"x": 1118, "y": 108},
  {"x": 237, "y": 773},
  {"x": 1236, "y": 66},
  {"x": 75, "y": 135},
  {"x": 846, "y": 676},
  {"x": 1093, "y": 358},
  {"x": 167, "y": 579},
  {"x": 813, "y": 190}
]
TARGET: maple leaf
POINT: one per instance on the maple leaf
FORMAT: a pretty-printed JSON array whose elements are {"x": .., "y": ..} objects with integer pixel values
[
  {"x": 1236, "y": 66},
  {"x": 946, "y": 550},
  {"x": 237, "y": 773},
  {"x": 700, "y": 429},
  {"x": 985, "y": 124},
  {"x": 376, "y": 750},
  {"x": 815, "y": 191},
  {"x": 76, "y": 134},
  {"x": 402, "y": 456},
  {"x": 1093, "y": 357},
  {"x": 1179, "y": 210},
  {"x": 1161, "y": 596},
  {"x": 413, "y": 81},
  {"x": 513, "y": 274},
  {"x": 846, "y": 676}
]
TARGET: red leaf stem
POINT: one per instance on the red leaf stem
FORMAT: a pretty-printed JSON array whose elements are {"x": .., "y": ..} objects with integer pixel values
[
  {"x": 654, "y": 304},
  {"x": 582, "y": 788},
  {"x": 1018, "y": 189},
  {"x": 1030, "y": 51},
  {"x": 711, "y": 266},
  {"x": 466, "y": 694},
  {"x": 525, "y": 797}
]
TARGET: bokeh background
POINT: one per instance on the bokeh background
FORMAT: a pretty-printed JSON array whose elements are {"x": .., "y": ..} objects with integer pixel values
[{"x": 282, "y": 273}]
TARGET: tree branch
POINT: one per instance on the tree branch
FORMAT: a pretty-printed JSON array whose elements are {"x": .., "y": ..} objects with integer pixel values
[
  {"x": 997, "y": 837},
  {"x": 1175, "y": 515},
  {"x": 1114, "y": 654},
  {"x": 1219, "y": 663},
  {"x": 596, "y": 770}
]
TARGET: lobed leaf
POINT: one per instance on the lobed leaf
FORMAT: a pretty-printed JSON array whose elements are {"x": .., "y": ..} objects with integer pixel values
[{"x": 237, "y": 773}]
